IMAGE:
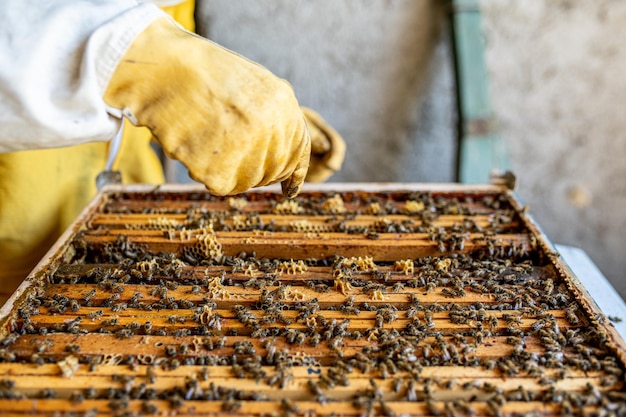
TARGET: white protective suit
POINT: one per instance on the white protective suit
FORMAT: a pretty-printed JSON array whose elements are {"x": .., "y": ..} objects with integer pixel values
[{"x": 63, "y": 54}]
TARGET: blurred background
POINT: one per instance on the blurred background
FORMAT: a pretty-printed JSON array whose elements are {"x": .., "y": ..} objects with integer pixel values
[{"x": 394, "y": 77}]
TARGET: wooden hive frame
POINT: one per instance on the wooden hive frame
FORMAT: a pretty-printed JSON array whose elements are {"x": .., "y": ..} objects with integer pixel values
[{"x": 349, "y": 300}]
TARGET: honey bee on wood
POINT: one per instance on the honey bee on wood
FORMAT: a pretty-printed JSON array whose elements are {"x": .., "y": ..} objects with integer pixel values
[
  {"x": 149, "y": 408},
  {"x": 571, "y": 317},
  {"x": 316, "y": 390},
  {"x": 428, "y": 317},
  {"x": 289, "y": 407}
]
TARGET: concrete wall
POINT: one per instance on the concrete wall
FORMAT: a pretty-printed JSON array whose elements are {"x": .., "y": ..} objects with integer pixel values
[
  {"x": 557, "y": 73},
  {"x": 381, "y": 73}
]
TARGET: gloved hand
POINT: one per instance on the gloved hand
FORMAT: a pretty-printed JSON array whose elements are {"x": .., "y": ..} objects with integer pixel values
[
  {"x": 328, "y": 149},
  {"x": 230, "y": 121}
]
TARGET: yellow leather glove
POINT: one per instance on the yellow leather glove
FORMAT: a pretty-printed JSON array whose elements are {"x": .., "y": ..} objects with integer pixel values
[
  {"x": 328, "y": 148},
  {"x": 230, "y": 121}
]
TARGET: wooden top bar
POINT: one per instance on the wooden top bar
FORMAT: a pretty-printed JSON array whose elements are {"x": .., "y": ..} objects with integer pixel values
[{"x": 352, "y": 299}]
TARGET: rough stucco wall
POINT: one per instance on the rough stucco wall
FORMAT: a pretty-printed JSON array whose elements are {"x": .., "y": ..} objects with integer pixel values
[
  {"x": 557, "y": 80},
  {"x": 379, "y": 72}
]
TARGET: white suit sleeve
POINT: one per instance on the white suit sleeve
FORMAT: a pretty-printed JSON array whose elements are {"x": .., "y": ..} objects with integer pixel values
[{"x": 57, "y": 59}]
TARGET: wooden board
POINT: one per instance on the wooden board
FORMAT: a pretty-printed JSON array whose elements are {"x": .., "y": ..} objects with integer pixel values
[{"x": 350, "y": 300}]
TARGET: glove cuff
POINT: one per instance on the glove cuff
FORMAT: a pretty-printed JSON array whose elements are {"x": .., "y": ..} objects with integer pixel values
[{"x": 110, "y": 42}]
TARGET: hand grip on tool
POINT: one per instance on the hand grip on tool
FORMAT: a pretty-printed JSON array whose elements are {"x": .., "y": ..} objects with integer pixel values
[
  {"x": 108, "y": 175},
  {"x": 230, "y": 121}
]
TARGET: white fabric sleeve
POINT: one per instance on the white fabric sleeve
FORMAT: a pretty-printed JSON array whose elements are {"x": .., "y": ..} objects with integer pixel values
[{"x": 57, "y": 59}]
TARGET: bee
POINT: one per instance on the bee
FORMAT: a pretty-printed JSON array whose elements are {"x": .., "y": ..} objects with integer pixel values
[
  {"x": 411, "y": 312},
  {"x": 616, "y": 396},
  {"x": 386, "y": 410},
  {"x": 161, "y": 332},
  {"x": 118, "y": 404},
  {"x": 300, "y": 338},
  {"x": 481, "y": 314},
  {"x": 183, "y": 349},
  {"x": 171, "y": 350},
  {"x": 172, "y": 319},
  {"x": 93, "y": 315},
  {"x": 260, "y": 333},
  {"x": 186, "y": 304},
  {"x": 511, "y": 319},
  {"x": 231, "y": 405},
  {"x": 89, "y": 295},
  {"x": 124, "y": 279},
  {"x": 150, "y": 374},
  {"x": 74, "y": 305},
  {"x": 48, "y": 393},
  {"x": 431, "y": 286},
  {"x": 119, "y": 307},
  {"x": 426, "y": 350},
  {"x": 172, "y": 285},
  {"x": 149, "y": 408},
  {"x": 321, "y": 288},
  {"x": 397, "y": 384},
  {"x": 566, "y": 408},
  {"x": 281, "y": 378},
  {"x": 71, "y": 348},
  {"x": 481, "y": 289},
  {"x": 315, "y": 339},
  {"x": 289, "y": 407},
  {"x": 316, "y": 390},
  {"x": 336, "y": 344},
  {"x": 571, "y": 317},
  {"x": 174, "y": 364},
  {"x": 124, "y": 333},
  {"x": 368, "y": 307},
  {"x": 181, "y": 333},
  {"x": 349, "y": 308},
  {"x": 479, "y": 336},
  {"x": 533, "y": 292},
  {"x": 244, "y": 348},
  {"x": 238, "y": 371},
  {"x": 77, "y": 397},
  {"x": 109, "y": 300},
  {"x": 450, "y": 293},
  {"x": 538, "y": 325},
  {"x": 428, "y": 317},
  {"x": 290, "y": 335},
  {"x": 161, "y": 291},
  {"x": 204, "y": 374},
  {"x": 35, "y": 358},
  {"x": 613, "y": 370}
]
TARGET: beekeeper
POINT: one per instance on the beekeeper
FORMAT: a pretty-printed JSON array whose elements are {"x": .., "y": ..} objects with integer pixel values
[{"x": 71, "y": 70}]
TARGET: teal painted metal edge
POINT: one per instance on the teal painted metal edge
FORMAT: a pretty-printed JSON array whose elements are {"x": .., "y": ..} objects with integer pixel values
[{"x": 480, "y": 149}]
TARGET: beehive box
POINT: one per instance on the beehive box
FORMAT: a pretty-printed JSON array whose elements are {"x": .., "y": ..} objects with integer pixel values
[{"x": 441, "y": 300}]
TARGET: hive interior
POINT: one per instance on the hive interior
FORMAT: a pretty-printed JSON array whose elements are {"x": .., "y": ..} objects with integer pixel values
[{"x": 407, "y": 302}]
